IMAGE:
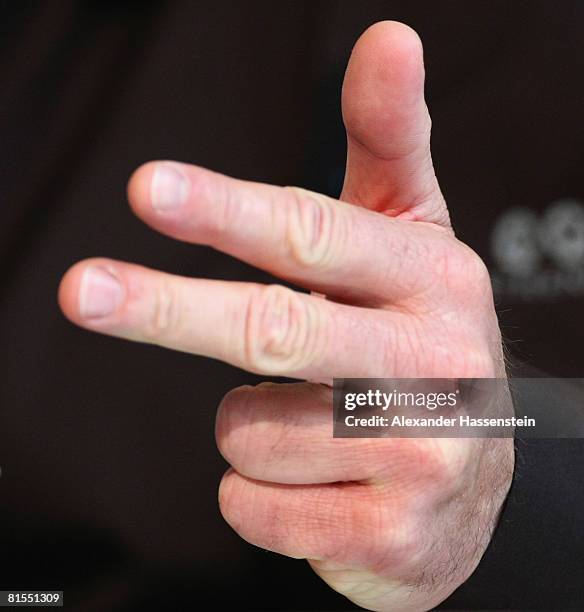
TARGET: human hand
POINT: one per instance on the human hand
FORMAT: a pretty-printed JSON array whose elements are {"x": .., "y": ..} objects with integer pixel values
[{"x": 390, "y": 523}]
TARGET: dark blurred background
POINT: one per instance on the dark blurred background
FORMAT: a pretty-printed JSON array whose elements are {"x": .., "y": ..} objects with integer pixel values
[{"x": 109, "y": 467}]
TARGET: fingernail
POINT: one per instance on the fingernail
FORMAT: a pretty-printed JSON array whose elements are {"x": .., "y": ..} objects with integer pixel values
[
  {"x": 169, "y": 187},
  {"x": 100, "y": 293}
]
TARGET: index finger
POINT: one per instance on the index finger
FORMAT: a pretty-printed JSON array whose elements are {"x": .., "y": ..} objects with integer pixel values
[{"x": 310, "y": 239}]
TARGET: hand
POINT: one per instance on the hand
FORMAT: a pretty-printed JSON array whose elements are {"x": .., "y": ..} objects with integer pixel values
[{"x": 391, "y": 523}]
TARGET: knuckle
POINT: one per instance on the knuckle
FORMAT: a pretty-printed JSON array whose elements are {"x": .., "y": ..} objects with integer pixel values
[
  {"x": 446, "y": 262},
  {"x": 475, "y": 361},
  {"x": 383, "y": 540},
  {"x": 165, "y": 315},
  {"x": 417, "y": 465},
  {"x": 401, "y": 544},
  {"x": 230, "y": 209},
  {"x": 463, "y": 357},
  {"x": 475, "y": 356},
  {"x": 282, "y": 330},
  {"x": 310, "y": 228},
  {"x": 462, "y": 272},
  {"x": 447, "y": 460},
  {"x": 475, "y": 271}
]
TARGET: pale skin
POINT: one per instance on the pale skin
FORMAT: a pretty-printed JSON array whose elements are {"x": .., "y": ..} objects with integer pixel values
[{"x": 393, "y": 524}]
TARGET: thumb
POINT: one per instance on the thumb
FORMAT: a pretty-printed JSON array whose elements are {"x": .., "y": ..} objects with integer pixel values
[{"x": 389, "y": 164}]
